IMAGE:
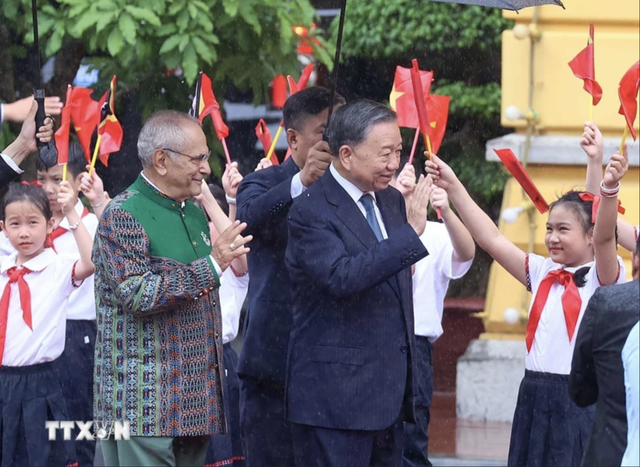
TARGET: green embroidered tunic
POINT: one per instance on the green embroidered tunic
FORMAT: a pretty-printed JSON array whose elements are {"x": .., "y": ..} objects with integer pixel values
[{"x": 159, "y": 347}]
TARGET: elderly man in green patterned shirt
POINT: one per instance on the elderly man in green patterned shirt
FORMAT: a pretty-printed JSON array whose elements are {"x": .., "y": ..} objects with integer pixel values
[{"x": 158, "y": 359}]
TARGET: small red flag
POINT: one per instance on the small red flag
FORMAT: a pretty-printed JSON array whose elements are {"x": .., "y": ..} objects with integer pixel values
[
  {"x": 205, "y": 103},
  {"x": 304, "y": 76},
  {"x": 583, "y": 66},
  {"x": 264, "y": 135},
  {"x": 293, "y": 86},
  {"x": 109, "y": 126},
  {"x": 438, "y": 111},
  {"x": 279, "y": 92},
  {"x": 419, "y": 98},
  {"x": 85, "y": 117},
  {"x": 512, "y": 163},
  {"x": 62, "y": 135},
  {"x": 628, "y": 94}
]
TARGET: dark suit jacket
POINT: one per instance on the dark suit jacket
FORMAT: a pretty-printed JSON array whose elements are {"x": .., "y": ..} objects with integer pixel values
[
  {"x": 264, "y": 199},
  {"x": 7, "y": 174},
  {"x": 597, "y": 373},
  {"x": 350, "y": 353}
]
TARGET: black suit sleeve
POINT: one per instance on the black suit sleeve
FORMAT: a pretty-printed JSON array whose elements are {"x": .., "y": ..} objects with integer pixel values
[
  {"x": 259, "y": 201},
  {"x": 316, "y": 248},
  {"x": 583, "y": 383},
  {"x": 7, "y": 174}
]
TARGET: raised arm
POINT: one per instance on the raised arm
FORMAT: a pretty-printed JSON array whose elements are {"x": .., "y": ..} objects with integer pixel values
[
  {"x": 593, "y": 145},
  {"x": 93, "y": 189},
  {"x": 480, "y": 226},
  {"x": 84, "y": 267},
  {"x": 464, "y": 248},
  {"x": 604, "y": 232}
]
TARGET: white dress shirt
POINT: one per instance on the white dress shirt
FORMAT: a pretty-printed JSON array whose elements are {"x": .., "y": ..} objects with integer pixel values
[
  {"x": 552, "y": 351},
  {"x": 355, "y": 194},
  {"x": 431, "y": 280},
  {"x": 82, "y": 302},
  {"x": 630, "y": 360},
  {"x": 11, "y": 164},
  {"x": 51, "y": 286},
  {"x": 233, "y": 291}
]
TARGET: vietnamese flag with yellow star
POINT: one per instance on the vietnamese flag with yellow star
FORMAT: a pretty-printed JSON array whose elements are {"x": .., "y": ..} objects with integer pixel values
[
  {"x": 85, "y": 117},
  {"x": 438, "y": 111},
  {"x": 401, "y": 99},
  {"x": 109, "y": 128}
]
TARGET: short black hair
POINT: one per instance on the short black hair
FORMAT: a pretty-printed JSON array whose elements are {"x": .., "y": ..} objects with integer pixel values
[
  {"x": 306, "y": 103},
  {"x": 24, "y": 192},
  {"x": 351, "y": 123},
  {"x": 76, "y": 164}
]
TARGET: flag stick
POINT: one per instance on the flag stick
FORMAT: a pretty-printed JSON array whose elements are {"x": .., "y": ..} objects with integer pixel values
[
  {"x": 226, "y": 150},
  {"x": 427, "y": 141},
  {"x": 415, "y": 144},
  {"x": 95, "y": 154},
  {"x": 625, "y": 133},
  {"x": 275, "y": 140},
  {"x": 64, "y": 172}
]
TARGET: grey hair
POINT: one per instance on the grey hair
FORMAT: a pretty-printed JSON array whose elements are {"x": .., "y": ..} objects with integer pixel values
[
  {"x": 351, "y": 123},
  {"x": 163, "y": 130}
]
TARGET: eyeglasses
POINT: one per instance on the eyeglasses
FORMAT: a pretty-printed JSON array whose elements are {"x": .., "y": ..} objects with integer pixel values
[{"x": 195, "y": 159}]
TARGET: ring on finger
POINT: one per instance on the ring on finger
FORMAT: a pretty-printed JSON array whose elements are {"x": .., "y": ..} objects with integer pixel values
[{"x": 233, "y": 246}]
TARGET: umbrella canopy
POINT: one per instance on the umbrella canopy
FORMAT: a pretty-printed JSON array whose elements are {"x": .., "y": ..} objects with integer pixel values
[{"x": 503, "y": 4}]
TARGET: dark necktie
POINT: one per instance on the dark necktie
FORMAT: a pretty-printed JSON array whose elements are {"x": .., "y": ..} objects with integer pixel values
[{"x": 372, "y": 219}]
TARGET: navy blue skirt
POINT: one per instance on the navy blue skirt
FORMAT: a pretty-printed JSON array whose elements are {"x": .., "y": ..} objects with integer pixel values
[
  {"x": 227, "y": 449},
  {"x": 548, "y": 429},
  {"x": 29, "y": 397}
]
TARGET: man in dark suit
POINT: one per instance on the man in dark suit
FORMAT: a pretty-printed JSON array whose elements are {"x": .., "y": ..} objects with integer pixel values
[
  {"x": 264, "y": 199},
  {"x": 349, "y": 375},
  {"x": 597, "y": 373},
  {"x": 13, "y": 155}
]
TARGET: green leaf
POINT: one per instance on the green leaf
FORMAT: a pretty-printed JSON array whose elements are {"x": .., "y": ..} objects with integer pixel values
[
  {"x": 190, "y": 64},
  {"x": 54, "y": 43},
  {"x": 183, "y": 20},
  {"x": 231, "y": 7},
  {"x": 115, "y": 42},
  {"x": 193, "y": 10},
  {"x": 142, "y": 14},
  {"x": 204, "y": 50},
  {"x": 183, "y": 43},
  {"x": 170, "y": 44},
  {"x": 104, "y": 21},
  {"x": 128, "y": 28},
  {"x": 86, "y": 21}
]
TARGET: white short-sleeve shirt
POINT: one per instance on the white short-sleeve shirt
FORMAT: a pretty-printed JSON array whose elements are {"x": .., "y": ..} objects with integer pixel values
[
  {"x": 630, "y": 361},
  {"x": 82, "y": 303},
  {"x": 50, "y": 284},
  {"x": 233, "y": 291},
  {"x": 431, "y": 280},
  {"x": 551, "y": 351}
]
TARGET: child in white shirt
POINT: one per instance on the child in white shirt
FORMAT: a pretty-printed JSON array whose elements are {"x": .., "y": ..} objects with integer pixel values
[
  {"x": 548, "y": 428},
  {"x": 36, "y": 284}
]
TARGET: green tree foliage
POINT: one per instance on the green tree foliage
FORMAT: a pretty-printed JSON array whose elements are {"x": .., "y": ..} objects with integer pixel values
[
  {"x": 461, "y": 44},
  {"x": 244, "y": 41}
]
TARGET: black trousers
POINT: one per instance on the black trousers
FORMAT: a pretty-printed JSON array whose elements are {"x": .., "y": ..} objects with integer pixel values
[
  {"x": 416, "y": 435},
  {"x": 226, "y": 449},
  {"x": 75, "y": 367},
  {"x": 266, "y": 434},
  {"x": 317, "y": 446}
]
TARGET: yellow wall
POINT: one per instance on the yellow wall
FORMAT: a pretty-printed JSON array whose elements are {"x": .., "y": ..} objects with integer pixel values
[{"x": 562, "y": 106}]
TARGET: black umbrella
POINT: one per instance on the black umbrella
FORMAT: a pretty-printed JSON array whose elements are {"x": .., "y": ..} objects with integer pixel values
[{"x": 514, "y": 5}]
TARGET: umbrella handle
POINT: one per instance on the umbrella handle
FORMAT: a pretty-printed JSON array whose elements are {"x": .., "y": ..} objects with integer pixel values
[
  {"x": 38, "y": 95},
  {"x": 336, "y": 66}
]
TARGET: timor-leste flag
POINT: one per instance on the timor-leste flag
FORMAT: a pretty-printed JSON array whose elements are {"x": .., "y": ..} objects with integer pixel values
[
  {"x": 438, "y": 111},
  {"x": 401, "y": 99},
  {"x": 205, "y": 103},
  {"x": 628, "y": 94},
  {"x": 62, "y": 135},
  {"x": 85, "y": 117},
  {"x": 109, "y": 129},
  {"x": 583, "y": 67}
]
